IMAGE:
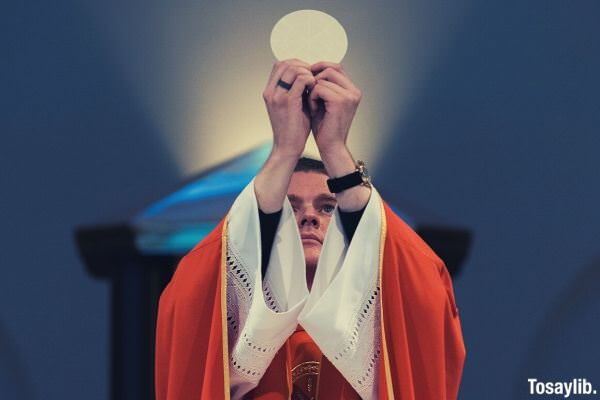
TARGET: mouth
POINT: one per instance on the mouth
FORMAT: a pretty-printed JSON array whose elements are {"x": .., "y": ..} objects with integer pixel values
[{"x": 310, "y": 238}]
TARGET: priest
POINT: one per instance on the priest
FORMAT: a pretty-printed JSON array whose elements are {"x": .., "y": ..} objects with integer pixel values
[{"x": 311, "y": 287}]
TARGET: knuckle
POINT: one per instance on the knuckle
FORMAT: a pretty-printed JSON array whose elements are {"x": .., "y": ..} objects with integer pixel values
[
  {"x": 278, "y": 100},
  {"x": 355, "y": 98},
  {"x": 303, "y": 71}
]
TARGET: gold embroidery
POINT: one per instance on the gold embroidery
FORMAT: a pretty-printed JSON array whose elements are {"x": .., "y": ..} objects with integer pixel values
[
  {"x": 304, "y": 379},
  {"x": 385, "y": 355},
  {"x": 305, "y": 368},
  {"x": 223, "y": 272}
]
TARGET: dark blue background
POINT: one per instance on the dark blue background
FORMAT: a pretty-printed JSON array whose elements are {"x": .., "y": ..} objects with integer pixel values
[{"x": 503, "y": 138}]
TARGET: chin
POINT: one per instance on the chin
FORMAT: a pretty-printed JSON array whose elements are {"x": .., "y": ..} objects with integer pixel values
[{"x": 311, "y": 255}]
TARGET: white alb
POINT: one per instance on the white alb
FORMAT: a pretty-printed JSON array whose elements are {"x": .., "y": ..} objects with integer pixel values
[{"x": 341, "y": 313}]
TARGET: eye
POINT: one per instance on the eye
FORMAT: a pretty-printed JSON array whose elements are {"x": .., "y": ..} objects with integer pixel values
[{"x": 328, "y": 208}]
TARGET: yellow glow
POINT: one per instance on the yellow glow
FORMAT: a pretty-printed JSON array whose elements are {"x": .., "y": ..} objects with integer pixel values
[{"x": 199, "y": 71}]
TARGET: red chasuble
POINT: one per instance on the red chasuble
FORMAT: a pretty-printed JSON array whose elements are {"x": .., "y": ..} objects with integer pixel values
[
  {"x": 301, "y": 369},
  {"x": 422, "y": 344}
]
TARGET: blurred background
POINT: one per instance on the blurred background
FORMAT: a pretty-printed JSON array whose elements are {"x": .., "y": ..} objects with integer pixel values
[{"x": 483, "y": 115}]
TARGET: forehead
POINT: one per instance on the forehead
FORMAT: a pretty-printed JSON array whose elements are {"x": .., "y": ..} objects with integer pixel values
[{"x": 308, "y": 184}]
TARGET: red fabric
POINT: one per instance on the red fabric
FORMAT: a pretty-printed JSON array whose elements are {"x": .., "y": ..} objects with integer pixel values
[
  {"x": 189, "y": 346},
  {"x": 425, "y": 349},
  {"x": 300, "y": 348},
  {"x": 275, "y": 383},
  {"x": 422, "y": 329}
]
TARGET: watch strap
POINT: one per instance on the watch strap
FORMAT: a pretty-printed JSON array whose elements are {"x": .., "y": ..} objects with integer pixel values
[{"x": 337, "y": 185}]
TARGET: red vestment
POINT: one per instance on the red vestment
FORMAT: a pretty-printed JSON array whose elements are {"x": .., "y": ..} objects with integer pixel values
[
  {"x": 423, "y": 351},
  {"x": 299, "y": 348}
]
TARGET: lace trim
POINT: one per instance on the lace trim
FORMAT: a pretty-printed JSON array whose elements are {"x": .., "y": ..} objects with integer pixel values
[
  {"x": 239, "y": 271},
  {"x": 252, "y": 364},
  {"x": 240, "y": 288},
  {"x": 270, "y": 297},
  {"x": 359, "y": 352},
  {"x": 368, "y": 305},
  {"x": 371, "y": 369},
  {"x": 249, "y": 357}
]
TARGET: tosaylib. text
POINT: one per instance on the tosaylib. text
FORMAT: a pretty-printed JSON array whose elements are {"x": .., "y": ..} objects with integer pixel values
[{"x": 566, "y": 389}]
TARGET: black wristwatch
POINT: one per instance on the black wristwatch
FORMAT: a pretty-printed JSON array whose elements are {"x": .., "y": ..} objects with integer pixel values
[{"x": 359, "y": 177}]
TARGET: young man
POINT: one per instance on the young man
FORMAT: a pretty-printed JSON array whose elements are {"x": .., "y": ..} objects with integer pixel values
[{"x": 289, "y": 298}]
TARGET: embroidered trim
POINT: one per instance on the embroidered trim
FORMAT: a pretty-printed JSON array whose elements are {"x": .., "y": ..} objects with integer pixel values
[
  {"x": 258, "y": 347},
  {"x": 225, "y": 330},
  {"x": 366, "y": 310},
  {"x": 372, "y": 366},
  {"x": 306, "y": 368},
  {"x": 239, "y": 271},
  {"x": 249, "y": 358},
  {"x": 239, "y": 293},
  {"x": 359, "y": 353},
  {"x": 252, "y": 358},
  {"x": 246, "y": 371},
  {"x": 270, "y": 298}
]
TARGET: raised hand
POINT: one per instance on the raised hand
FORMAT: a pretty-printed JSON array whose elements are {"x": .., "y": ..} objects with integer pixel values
[
  {"x": 333, "y": 102},
  {"x": 290, "y": 119}
]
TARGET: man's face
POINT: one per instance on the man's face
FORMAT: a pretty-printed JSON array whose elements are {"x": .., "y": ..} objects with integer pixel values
[{"x": 313, "y": 206}]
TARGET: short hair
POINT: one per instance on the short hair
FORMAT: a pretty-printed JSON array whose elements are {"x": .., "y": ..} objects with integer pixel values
[{"x": 307, "y": 164}]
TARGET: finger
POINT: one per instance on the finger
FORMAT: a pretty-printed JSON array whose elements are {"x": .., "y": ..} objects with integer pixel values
[
  {"x": 320, "y": 66},
  {"x": 276, "y": 65},
  {"x": 302, "y": 82},
  {"x": 333, "y": 86},
  {"x": 281, "y": 66},
  {"x": 324, "y": 93},
  {"x": 291, "y": 61},
  {"x": 336, "y": 77},
  {"x": 288, "y": 75}
]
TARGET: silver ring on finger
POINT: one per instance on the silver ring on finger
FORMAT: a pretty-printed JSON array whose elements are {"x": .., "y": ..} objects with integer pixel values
[{"x": 284, "y": 84}]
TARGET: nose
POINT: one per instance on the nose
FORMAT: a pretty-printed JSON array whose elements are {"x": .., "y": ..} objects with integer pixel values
[{"x": 309, "y": 219}]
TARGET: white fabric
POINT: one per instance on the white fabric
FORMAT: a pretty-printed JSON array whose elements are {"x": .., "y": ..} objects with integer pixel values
[{"x": 341, "y": 313}]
